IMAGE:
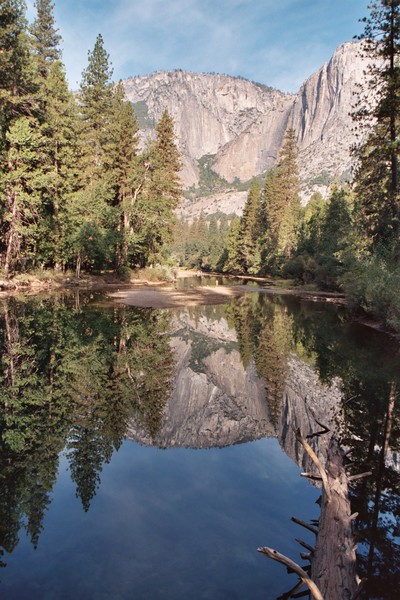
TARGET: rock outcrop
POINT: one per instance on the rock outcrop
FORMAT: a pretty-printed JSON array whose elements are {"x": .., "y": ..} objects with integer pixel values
[
  {"x": 217, "y": 402},
  {"x": 240, "y": 124}
]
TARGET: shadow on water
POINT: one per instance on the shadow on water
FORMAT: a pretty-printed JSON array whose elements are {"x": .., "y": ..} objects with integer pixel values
[{"x": 79, "y": 375}]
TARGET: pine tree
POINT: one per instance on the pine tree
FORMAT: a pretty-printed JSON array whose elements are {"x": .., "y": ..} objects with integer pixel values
[
  {"x": 160, "y": 192},
  {"x": 335, "y": 247},
  {"x": 311, "y": 226},
  {"x": 15, "y": 80},
  {"x": 95, "y": 99},
  {"x": 250, "y": 230},
  {"x": 124, "y": 145},
  {"x": 377, "y": 180},
  {"x": 281, "y": 206},
  {"x": 232, "y": 257},
  {"x": 92, "y": 219},
  {"x": 45, "y": 39},
  {"x": 21, "y": 185},
  {"x": 61, "y": 128},
  {"x": 17, "y": 101}
]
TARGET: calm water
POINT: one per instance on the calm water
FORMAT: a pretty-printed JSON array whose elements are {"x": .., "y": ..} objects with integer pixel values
[{"x": 148, "y": 453}]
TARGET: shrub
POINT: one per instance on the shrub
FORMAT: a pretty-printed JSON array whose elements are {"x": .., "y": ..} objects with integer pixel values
[
  {"x": 374, "y": 287},
  {"x": 158, "y": 273}
]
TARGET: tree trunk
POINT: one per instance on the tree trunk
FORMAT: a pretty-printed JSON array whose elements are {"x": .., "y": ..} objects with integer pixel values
[
  {"x": 333, "y": 564},
  {"x": 333, "y": 559},
  {"x": 10, "y": 237}
]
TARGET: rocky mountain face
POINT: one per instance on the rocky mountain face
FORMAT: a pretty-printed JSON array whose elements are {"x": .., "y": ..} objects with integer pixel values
[
  {"x": 234, "y": 128},
  {"x": 216, "y": 401}
]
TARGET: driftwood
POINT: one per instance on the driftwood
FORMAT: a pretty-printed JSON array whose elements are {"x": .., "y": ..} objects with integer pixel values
[
  {"x": 333, "y": 559},
  {"x": 290, "y": 564},
  {"x": 333, "y": 566}
]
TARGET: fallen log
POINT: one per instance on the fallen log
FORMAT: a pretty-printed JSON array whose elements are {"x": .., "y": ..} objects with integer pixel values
[
  {"x": 333, "y": 559},
  {"x": 333, "y": 564}
]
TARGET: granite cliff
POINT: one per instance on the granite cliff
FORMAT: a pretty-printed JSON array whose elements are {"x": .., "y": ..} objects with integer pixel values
[
  {"x": 233, "y": 128},
  {"x": 216, "y": 401}
]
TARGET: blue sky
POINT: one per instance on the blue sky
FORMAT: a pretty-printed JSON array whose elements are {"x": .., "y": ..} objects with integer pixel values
[{"x": 275, "y": 42}]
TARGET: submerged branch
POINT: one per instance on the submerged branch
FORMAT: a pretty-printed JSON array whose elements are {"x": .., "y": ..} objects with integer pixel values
[
  {"x": 316, "y": 461},
  {"x": 290, "y": 564}
]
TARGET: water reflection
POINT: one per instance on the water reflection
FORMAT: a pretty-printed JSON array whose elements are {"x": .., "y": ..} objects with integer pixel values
[
  {"x": 362, "y": 369},
  {"x": 72, "y": 378},
  {"x": 80, "y": 376}
]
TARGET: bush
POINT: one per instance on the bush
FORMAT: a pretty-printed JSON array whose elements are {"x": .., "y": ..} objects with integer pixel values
[
  {"x": 302, "y": 268},
  {"x": 374, "y": 287},
  {"x": 158, "y": 273}
]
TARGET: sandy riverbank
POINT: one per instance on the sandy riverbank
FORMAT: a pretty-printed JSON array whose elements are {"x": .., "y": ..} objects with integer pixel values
[{"x": 169, "y": 297}]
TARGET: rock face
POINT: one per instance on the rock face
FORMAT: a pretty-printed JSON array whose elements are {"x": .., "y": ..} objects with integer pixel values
[
  {"x": 321, "y": 115},
  {"x": 213, "y": 111},
  {"x": 217, "y": 402},
  {"x": 241, "y": 124},
  {"x": 306, "y": 400}
]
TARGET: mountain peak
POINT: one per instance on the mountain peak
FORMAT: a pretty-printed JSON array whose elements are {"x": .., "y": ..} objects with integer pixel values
[{"x": 236, "y": 126}]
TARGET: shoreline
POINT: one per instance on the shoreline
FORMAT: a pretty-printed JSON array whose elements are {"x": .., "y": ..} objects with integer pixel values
[{"x": 164, "y": 294}]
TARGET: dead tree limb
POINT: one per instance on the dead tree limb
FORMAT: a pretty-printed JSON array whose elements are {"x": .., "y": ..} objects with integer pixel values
[
  {"x": 311, "y": 476},
  {"x": 359, "y": 476},
  {"x": 316, "y": 461},
  {"x": 305, "y": 525},
  {"x": 290, "y": 564},
  {"x": 324, "y": 430},
  {"x": 305, "y": 545}
]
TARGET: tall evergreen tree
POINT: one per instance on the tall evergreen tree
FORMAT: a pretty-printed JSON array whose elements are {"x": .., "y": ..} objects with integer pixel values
[
  {"x": 21, "y": 185},
  {"x": 161, "y": 192},
  {"x": 61, "y": 129},
  {"x": 123, "y": 147},
  {"x": 15, "y": 83},
  {"x": 17, "y": 101},
  {"x": 250, "y": 230},
  {"x": 288, "y": 199},
  {"x": 281, "y": 207},
  {"x": 45, "y": 39},
  {"x": 91, "y": 216},
  {"x": 377, "y": 181},
  {"x": 95, "y": 99}
]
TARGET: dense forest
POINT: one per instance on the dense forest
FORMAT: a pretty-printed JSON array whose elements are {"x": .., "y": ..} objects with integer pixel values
[
  {"x": 78, "y": 192},
  {"x": 75, "y": 190}
]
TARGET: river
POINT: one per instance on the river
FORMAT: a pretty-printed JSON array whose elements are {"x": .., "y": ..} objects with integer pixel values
[{"x": 149, "y": 453}]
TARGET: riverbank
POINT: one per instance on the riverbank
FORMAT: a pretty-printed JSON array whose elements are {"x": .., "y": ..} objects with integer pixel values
[{"x": 144, "y": 291}]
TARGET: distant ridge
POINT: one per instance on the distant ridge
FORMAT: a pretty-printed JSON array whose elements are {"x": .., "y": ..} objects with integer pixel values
[{"x": 230, "y": 129}]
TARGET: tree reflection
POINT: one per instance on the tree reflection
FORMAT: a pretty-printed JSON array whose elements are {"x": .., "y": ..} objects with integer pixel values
[
  {"x": 71, "y": 377},
  {"x": 264, "y": 331},
  {"x": 367, "y": 364}
]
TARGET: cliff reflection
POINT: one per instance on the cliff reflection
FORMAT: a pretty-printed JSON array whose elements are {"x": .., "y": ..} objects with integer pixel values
[{"x": 81, "y": 377}]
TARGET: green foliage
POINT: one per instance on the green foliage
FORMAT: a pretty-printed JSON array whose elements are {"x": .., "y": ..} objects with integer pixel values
[
  {"x": 323, "y": 178},
  {"x": 45, "y": 39},
  {"x": 374, "y": 286},
  {"x": 142, "y": 114},
  {"x": 209, "y": 180},
  {"x": 377, "y": 179}
]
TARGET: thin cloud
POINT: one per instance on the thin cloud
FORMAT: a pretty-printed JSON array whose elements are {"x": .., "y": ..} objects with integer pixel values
[{"x": 276, "y": 43}]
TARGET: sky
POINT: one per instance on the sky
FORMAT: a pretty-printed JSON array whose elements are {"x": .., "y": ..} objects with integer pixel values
[{"x": 275, "y": 42}]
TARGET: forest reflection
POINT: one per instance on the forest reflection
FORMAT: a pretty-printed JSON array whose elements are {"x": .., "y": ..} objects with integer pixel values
[
  {"x": 71, "y": 379},
  {"x": 367, "y": 366},
  {"x": 75, "y": 374}
]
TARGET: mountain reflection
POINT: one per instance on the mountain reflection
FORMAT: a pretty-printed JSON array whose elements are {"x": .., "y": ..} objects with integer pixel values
[{"x": 81, "y": 377}]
